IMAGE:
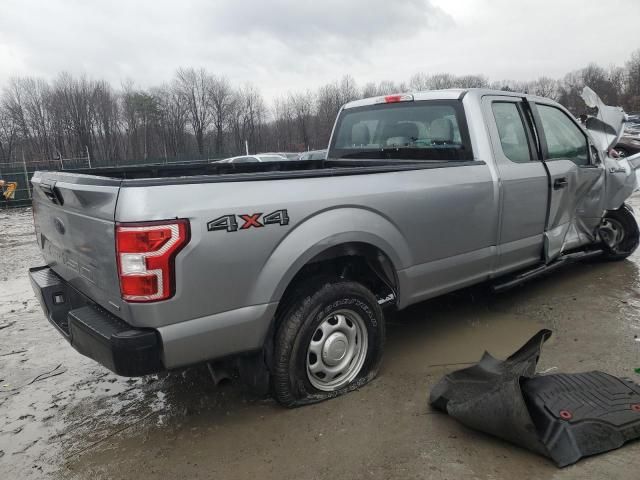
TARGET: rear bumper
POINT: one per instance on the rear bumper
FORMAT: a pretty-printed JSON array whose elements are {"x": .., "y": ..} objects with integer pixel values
[{"x": 93, "y": 331}]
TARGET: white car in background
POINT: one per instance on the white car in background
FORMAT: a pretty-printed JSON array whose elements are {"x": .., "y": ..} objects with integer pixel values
[
  {"x": 314, "y": 155},
  {"x": 286, "y": 155}
]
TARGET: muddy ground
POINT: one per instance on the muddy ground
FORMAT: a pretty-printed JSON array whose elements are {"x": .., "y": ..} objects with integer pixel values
[{"x": 63, "y": 416}]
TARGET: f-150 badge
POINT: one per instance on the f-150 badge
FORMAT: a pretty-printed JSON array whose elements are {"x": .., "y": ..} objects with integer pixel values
[{"x": 233, "y": 223}]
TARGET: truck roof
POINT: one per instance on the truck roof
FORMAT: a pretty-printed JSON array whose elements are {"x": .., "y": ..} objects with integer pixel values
[{"x": 448, "y": 94}]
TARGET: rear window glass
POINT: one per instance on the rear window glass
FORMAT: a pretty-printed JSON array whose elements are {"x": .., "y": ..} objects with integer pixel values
[
  {"x": 513, "y": 136},
  {"x": 425, "y": 130}
]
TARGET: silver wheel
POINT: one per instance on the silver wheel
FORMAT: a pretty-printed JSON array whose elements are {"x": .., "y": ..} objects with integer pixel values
[
  {"x": 337, "y": 350},
  {"x": 612, "y": 233}
]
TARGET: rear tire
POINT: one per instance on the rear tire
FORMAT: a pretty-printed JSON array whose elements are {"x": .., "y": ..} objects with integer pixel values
[
  {"x": 619, "y": 233},
  {"x": 329, "y": 342}
]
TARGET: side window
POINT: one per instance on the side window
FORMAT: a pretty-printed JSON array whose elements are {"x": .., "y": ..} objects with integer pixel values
[
  {"x": 513, "y": 136},
  {"x": 565, "y": 140}
]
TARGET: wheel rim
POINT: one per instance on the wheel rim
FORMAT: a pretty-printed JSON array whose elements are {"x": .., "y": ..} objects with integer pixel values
[
  {"x": 337, "y": 350},
  {"x": 612, "y": 233}
]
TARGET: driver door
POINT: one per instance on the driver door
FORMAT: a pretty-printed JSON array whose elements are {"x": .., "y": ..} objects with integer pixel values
[{"x": 576, "y": 179}]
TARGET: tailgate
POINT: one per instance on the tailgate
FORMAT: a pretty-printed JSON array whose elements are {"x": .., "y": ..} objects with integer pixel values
[{"x": 75, "y": 230}]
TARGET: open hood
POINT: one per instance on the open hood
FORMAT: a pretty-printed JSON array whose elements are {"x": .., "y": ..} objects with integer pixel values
[{"x": 607, "y": 125}]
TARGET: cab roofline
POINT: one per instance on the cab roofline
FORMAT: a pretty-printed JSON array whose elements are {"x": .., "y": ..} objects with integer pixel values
[{"x": 448, "y": 94}]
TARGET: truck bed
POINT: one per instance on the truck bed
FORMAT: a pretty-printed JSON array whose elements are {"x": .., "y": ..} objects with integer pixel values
[
  {"x": 228, "y": 172},
  {"x": 198, "y": 168}
]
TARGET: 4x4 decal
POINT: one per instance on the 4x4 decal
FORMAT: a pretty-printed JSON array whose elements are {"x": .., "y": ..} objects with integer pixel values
[{"x": 230, "y": 223}]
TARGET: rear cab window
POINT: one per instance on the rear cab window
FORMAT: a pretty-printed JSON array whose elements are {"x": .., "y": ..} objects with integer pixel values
[
  {"x": 512, "y": 131},
  {"x": 429, "y": 130}
]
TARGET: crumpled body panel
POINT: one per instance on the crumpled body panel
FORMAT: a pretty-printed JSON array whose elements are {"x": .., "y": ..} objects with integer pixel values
[
  {"x": 607, "y": 126},
  {"x": 622, "y": 180},
  {"x": 597, "y": 188},
  {"x": 605, "y": 129}
]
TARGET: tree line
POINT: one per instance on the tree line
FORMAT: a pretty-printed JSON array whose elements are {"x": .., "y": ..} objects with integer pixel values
[{"x": 202, "y": 115}]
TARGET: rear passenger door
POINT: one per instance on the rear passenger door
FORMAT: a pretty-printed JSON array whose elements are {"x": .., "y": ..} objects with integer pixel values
[
  {"x": 523, "y": 180},
  {"x": 577, "y": 180}
]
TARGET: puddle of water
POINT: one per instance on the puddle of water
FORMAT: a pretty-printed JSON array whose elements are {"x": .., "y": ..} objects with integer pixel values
[{"x": 86, "y": 422}]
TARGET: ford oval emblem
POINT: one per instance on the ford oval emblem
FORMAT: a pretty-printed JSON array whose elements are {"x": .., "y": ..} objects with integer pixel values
[{"x": 59, "y": 225}]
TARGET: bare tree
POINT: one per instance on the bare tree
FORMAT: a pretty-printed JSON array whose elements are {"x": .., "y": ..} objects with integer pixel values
[
  {"x": 545, "y": 87},
  {"x": 222, "y": 103},
  {"x": 72, "y": 115},
  {"x": 369, "y": 90},
  {"x": 632, "y": 91},
  {"x": 442, "y": 80},
  {"x": 14, "y": 105},
  {"x": 247, "y": 120},
  {"x": 302, "y": 105},
  {"x": 328, "y": 103},
  {"x": 8, "y": 134},
  {"x": 140, "y": 116},
  {"x": 75, "y": 97},
  {"x": 385, "y": 87},
  {"x": 471, "y": 81},
  {"x": 419, "y": 81},
  {"x": 173, "y": 115},
  {"x": 347, "y": 89},
  {"x": 284, "y": 124},
  {"x": 107, "y": 122},
  {"x": 195, "y": 88}
]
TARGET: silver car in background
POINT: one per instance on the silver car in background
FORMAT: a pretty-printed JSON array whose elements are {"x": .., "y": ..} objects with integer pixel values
[
  {"x": 313, "y": 155},
  {"x": 262, "y": 157}
]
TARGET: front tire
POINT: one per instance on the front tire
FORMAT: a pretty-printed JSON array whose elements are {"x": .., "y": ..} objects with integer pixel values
[
  {"x": 329, "y": 342},
  {"x": 619, "y": 233}
]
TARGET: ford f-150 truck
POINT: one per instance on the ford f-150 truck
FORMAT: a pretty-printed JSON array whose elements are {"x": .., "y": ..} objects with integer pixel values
[{"x": 289, "y": 267}]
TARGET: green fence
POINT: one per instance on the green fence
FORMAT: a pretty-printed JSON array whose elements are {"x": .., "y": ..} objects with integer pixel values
[
  {"x": 20, "y": 173},
  {"x": 15, "y": 176}
]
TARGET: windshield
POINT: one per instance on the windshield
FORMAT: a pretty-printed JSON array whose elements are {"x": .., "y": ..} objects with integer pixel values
[{"x": 425, "y": 130}]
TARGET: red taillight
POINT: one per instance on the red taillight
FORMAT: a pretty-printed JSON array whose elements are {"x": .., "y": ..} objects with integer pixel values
[
  {"x": 139, "y": 285},
  {"x": 136, "y": 241},
  {"x": 146, "y": 253}
]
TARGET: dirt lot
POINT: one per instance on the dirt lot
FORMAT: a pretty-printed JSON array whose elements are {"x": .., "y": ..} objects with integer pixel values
[{"x": 63, "y": 416}]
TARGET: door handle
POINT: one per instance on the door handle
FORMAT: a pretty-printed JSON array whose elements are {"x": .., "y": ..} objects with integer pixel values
[{"x": 559, "y": 183}]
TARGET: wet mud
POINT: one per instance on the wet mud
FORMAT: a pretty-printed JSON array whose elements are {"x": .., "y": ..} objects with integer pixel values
[{"x": 63, "y": 416}]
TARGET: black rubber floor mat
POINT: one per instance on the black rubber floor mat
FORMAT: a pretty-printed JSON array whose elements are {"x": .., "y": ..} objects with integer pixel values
[
  {"x": 582, "y": 414},
  {"x": 562, "y": 416}
]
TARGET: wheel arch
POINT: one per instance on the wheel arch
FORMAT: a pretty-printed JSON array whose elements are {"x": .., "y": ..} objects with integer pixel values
[{"x": 338, "y": 233}]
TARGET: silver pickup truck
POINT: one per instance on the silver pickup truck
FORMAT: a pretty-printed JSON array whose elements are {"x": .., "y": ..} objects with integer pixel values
[{"x": 288, "y": 268}]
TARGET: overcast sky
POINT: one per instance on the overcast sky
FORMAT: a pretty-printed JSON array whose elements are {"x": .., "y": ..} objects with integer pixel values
[{"x": 282, "y": 45}]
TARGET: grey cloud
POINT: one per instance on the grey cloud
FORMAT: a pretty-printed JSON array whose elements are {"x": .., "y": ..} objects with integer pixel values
[
  {"x": 148, "y": 39},
  {"x": 316, "y": 21},
  {"x": 284, "y": 45}
]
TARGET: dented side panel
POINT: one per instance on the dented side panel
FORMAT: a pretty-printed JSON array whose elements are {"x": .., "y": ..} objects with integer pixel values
[
  {"x": 622, "y": 180},
  {"x": 576, "y": 211}
]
